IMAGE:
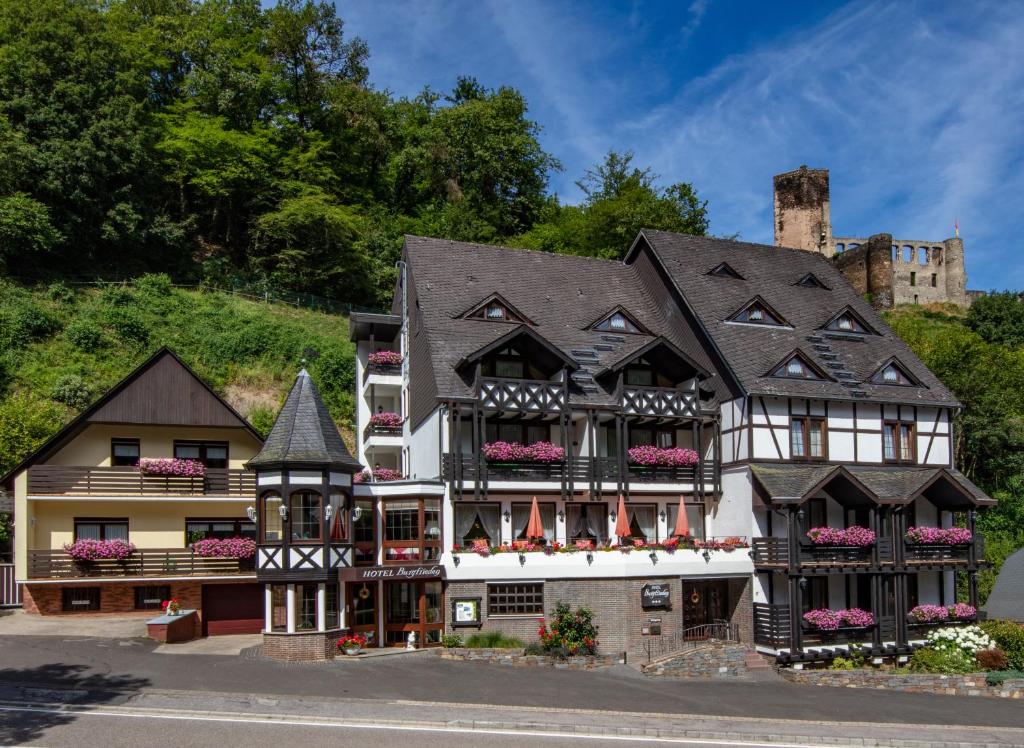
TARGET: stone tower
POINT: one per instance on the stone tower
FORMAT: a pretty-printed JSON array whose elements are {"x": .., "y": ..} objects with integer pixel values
[{"x": 802, "y": 211}]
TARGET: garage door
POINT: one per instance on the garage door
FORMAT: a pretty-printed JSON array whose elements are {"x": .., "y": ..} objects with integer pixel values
[{"x": 232, "y": 609}]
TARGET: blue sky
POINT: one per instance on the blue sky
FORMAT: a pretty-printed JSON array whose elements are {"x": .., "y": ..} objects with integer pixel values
[{"x": 917, "y": 108}]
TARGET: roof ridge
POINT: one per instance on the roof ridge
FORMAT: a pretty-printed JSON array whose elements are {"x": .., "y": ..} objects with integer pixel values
[{"x": 521, "y": 250}]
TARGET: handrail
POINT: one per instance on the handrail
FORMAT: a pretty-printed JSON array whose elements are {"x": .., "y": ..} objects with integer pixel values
[
  {"x": 690, "y": 638},
  {"x": 129, "y": 481},
  {"x": 144, "y": 562}
]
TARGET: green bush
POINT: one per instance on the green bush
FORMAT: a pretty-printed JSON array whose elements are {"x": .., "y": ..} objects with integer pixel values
[
  {"x": 23, "y": 321},
  {"x": 997, "y": 679},
  {"x": 927, "y": 660},
  {"x": 85, "y": 335},
  {"x": 262, "y": 419},
  {"x": 154, "y": 285},
  {"x": 851, "y": 661},
  {"x": 1010, "y": 638},
  {"x": 534, "y": 648},
  {"x": 61, "y": 293},
  {"x": 493, "y": 640},
  {"x": 72, "y": 390},
  {"x": 450, "y": 641},
  {"x": 128, "y": 325},
  {"x": 117, "y": 295},
  {"x": 571, "y": 633}
]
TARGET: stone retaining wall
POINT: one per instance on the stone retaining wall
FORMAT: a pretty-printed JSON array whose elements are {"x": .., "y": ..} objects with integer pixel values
[
  {"x": 713, "y": 660},
  {"x": 516, "y": 658},
  {"x": 901, "y": 680}
]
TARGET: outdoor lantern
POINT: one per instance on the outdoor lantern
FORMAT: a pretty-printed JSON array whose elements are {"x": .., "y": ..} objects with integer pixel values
[
  {"x": 800, "y": 514},
  {"x": 707, "y": 556},
  {"x": 662, "y": 515},
  {"x": 654, "y": 557},
  {"x": 561, "y": 515},
  {"x": 507, "y": 515},
  {"x": 522, "y": 558},
  {"x": 803, "y": 583},
  {"x": 328, "y": 511},
  {"x": 283, "y": 511},
  {"x": 357, "y": 512},
  {"x": 251, "y": 512},
  {"x": 590, "y": 557}
]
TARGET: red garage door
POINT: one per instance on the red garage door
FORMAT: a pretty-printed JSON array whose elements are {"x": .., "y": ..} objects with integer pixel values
[{"x": 232, "y": 609}]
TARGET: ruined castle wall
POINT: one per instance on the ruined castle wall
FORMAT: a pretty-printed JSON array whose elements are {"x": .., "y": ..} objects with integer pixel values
[
  {"x": 923, "y": 272},
  {"x": 869, "y": 269},
  {"x": 802, "y": 210}
]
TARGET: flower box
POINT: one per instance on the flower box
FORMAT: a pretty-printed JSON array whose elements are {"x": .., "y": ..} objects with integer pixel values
[
  {"x": 833, "y": 537},
  {"x": 172, "y": 467},
  {"x": 649, "y": 456},
  {"x": 827, "y": 620},
  {"x": 385, "y": 358},
  {"x": 388, "y": 421},
  {"x": 380, "y": 475},
  {"x": 225, "y": 548},
  {"x": 939, "y": 536},
  {"x": 97, "y": 550},
  {"x": 514, "y": 453}
]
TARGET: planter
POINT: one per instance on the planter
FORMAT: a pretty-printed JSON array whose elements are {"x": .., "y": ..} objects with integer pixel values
[{"x": 352, "y": 651}]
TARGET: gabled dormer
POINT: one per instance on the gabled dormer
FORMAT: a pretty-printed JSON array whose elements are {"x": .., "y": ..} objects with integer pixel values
[
  {"x": 495, "y": 308},
  {"x": 619, "y": 320},
  {"x": 812, "y": 281},
  {"x": 757, "y": 311},
  {"x": 724, "y": 270},
  {"x": 521, "y": 353},
  {"x": 895, "y": 374},
  {"x": 849, "y": 322},
  {"x": 798, "y": 365}
]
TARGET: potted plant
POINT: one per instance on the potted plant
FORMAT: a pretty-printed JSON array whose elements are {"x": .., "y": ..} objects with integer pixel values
[
  {"x": 939, "y": 535},
  {"x": 172, "y": 607},
  {"x": 852, "y": 537},
  {"x": 352, "y": 644},
  {"x": 172, "y": 467}
]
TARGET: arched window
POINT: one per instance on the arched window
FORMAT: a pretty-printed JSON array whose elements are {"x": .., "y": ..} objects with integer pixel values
[
  {"x": 272, "y": 524},
  {"x": 306, "y": 514}
]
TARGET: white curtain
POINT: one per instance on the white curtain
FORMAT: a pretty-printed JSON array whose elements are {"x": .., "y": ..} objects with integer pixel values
[
  {"x": 487, "y": 514},
  {"x": 644, "y": 517},
  {"x": 521, "y": 518},
  {"x": 587, "y": 522},
  {"x": 694, "y": 516}
]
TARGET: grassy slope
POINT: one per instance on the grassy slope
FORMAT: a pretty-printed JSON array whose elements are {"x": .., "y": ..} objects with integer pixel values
[{"x": 60, "y": 348}]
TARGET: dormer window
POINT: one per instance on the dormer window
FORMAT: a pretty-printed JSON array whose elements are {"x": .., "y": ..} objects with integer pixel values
[
  {"x": 496, "y": 312},
  {"x": 848, "y": 321},
  {"x": 894, "y": 374},
  {"x": 724, "y": 270},
  {"x": 757, "y": 312},
  {"x": 797, "y": 366},
  {"x": 496, "y": 309},
  {"x": 812, "y": 281},
  {"x": 618, "y": 321}
]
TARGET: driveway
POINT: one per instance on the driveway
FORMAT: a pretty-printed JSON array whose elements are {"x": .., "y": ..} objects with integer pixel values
[{"x": 120, "y": 626}]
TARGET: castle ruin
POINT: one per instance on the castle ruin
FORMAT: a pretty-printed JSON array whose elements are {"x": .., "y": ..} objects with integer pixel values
[{"x": 887, "y": 271}]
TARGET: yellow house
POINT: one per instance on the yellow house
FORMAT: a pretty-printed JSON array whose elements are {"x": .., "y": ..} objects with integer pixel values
[{"x": 94, "y": 480}]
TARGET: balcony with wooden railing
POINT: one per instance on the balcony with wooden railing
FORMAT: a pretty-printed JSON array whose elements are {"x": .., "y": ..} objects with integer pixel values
[
  {"x": 144, "y": 562},
  {"x": 925, "y": 556},
  {"x": 72, "y": 480},
  {"x": 774, "y": 554},
  {"x": 522, "y": 395},
  {"x": 664, "y": 402}
]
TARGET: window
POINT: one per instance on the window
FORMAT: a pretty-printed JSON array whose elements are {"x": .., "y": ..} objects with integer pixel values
[
  {"x": 898, "y": 442},
  {"x": 364, "y": 533},
  {"x": 273, "y": 523},
  {"x": 211, "y": 454},
  {"x": 812, "y": 281},
  {"x": 796, "y": 367},
  {"x": 200, "y": 529},
  {"x": 815, "y": 593},
  {"x": 509, "y": 367},
  {"x": 816, "y": 514},
  {"x": 694, "y": 518},
  {"x": 643, "y": 523},
  {"x": 758, "y": 312},
  {"x": 640, "y": 376},
  {"x": 305, "y": 606},
  {"x": 587, "y": 522},
  {"x": 477, "y": 522},
  {"x": 807, "y": 438},
  {"x": 517, "y": 431},
  {"x": 913, "y": 278},
  {"x": 412, "y": 530},
  {"x": 333, "y": 621},
  {"x": 306, "y": 514},
  {"x": 521, "y": 519},
  {"x": 894, "y": 374},
  {"x": 651, "y": 437},
  {"x": 278, "y": 607},
  {"x": 77, "y": 599},
  {"x": 124, "y": 452},
  {"x": 849, "y": 322},
  {"x": 724, "y": 270},
  {"x": 515, "y": 599},
  {"x": 152, "y": 597},
  {"x": 101, "y": 529},
  {"x": 618, "y": 321},
  {"x": 495, "y": 309}
]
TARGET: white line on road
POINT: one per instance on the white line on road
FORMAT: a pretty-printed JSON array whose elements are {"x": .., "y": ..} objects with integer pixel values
[{"x": 241, "y": 718}]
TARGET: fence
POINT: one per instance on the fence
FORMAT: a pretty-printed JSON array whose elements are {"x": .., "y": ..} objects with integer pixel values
[
  {"x": 10, "y": 590},
  {"x": 656, "y": 647}
]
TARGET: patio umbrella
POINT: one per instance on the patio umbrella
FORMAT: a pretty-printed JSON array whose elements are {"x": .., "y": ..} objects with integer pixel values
[
  {"x": 534, "y": 528},
  {"x": 336, "y": 528},
  {"x": 682, "y": 528},
  {"x": 622, "y": 521}
]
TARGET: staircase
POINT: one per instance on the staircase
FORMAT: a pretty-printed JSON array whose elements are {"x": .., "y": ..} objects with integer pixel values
[
  {"x": 836, "y": 368},
  {"x": 758, "y": 662}
]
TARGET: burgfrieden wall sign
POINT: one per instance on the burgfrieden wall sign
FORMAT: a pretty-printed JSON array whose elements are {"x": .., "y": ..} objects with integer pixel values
[{"x": 398, "y": 573}]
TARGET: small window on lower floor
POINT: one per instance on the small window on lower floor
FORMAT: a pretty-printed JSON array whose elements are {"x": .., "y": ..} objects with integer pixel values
[
  {"x": 515, "y": 599},
  {"x": 80, "y": 599},
  {"x": 152, "y": 597}
]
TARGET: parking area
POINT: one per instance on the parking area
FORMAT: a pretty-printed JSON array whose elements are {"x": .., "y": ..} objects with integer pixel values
[{"x": 16, "y": 622}]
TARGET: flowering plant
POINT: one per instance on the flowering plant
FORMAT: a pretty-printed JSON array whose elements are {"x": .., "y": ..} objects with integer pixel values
[
  {"x": 380, "y": 475},
  {"x": 92, "y": 550},
  {"x": 650, "y": 455},
  {"x": 967, "y": 640},
  {"x": 172, "y": 466},
  {"x": 350, "y": 641},
  {"x": 482, "y": 547},
  {"x": 171, "y": 607},
  {"x": 730, "y": 543},
  {"x": 225, "y": 547},
  {"x": 962, "y": 611},
  {"x": 385, "y": 358},
  {"x": 830, "y": 620},
  {"x": 929, "y": 613},
  {"x": 939, "y": 535},
  {"x": 515, "y": 452},
  {"x": 584, "y": 545},
  {"x": 571, "y": 633},
  {"x": 853, "y": 536},
  {"x": 386, "y": 420}
]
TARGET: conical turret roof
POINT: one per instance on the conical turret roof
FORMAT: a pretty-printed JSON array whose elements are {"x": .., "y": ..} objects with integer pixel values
[{"x": 304, "y": 433}]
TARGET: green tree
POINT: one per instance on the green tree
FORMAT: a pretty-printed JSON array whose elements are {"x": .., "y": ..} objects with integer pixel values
[{"x": 998, "y": 318}]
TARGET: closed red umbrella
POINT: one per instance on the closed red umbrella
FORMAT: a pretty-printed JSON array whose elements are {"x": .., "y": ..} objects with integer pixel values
[
  {"x": 622, "y": 521},
  {"x": 682, "y": 528},
  {"x": 534, "y": 528}
]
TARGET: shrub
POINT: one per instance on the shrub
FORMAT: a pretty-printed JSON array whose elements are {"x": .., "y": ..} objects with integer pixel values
[
  {"x": 571, "y": 633},
  {"x": 117, "y": 295},
  {"x": 493, "y": 640},
  {"x": 22, "y": 321},
  {"x": 944, "y": 662},
  {"x": 1009, "y": 636},
  {"x": 997, "y": 679},
  {"x": 84, "y": 335},
  {"x": 991, "y": 659},
  {"x": 154, "y": 284},
  {"x": 966, "y": 640},
  {"x": 535, "y": 648},
  {"x": 72, "y": 391},
  {"x": 128, "y": 325},
  {"x": 451, "y": 641},
  {"x": 262, "y": 419},
  {"x": 59, "y": 292},
  {"x": 841, "y": 663}
]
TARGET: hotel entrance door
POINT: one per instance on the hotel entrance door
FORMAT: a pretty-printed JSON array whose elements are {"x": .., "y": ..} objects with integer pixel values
[
  {"x": 362, "y": 603},
  {"x": 413, "y": 607},
  {"x": 705, "y": 602}
]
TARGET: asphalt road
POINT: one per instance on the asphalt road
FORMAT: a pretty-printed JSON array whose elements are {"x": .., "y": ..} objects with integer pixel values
[{"x": 120, "y": 666}]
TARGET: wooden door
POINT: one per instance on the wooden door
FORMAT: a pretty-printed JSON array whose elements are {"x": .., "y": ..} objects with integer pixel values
[{"x": 363, "y": 607}]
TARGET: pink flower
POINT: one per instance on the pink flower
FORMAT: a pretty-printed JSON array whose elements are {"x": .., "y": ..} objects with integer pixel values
[
  {"x": 962, "y": 611},
  {"x": 380, "y": 475},
  {"x": 928, "y": 613},
  {"x": 172, "y": 466},
  {"x": 852, "y": 536},
  {"x": 386, "y": 420},
  {"x": 385, "y": 358},
  {"x": 225, "y": 547},
  {"x": 939, "y": 535},
  {"x": 93, "y": 550},
  {"x": 515, "y": 452},
  {"x": 662, "y": 456},
  {"x": 830, "y": 620}
]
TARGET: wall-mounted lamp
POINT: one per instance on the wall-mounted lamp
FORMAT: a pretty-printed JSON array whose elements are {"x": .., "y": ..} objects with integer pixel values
[
  {"x": 522, "y": 558},
  {"x": 251, "y": 512},
  {"x": 283, "y": 511},
  {"x": 612, "y": 515},
  {"x": 561, "y": 515},
  {"x": 328, "y": 511},
  {"x": 455, "y": 559},
  {"x": 357, "y": 512},
  {"x": 654, "y": 557},
  {"x": 803, "y": 583},
  {"x": 707, "y": 556},
  {"x": 801, "y": 514},
  {"x": 507, "y": 515},
  {"x": 590, "y": 558},
  {"x": 662, "y": 515}
]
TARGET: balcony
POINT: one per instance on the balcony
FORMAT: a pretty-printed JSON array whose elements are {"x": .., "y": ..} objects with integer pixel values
[
  {"x": 660, "y": 401},
  {"x": 522, "y": 395},
  {"x": 148, "y": 562},
  {"x": 381, "y": 370},
  {"x": 922, "y": 556},
  {"x": 582, "y": 470},
  {"x": 773, "y": 628},
  {"x": 61, "y": 480},
  {"x": 774, "y": 554}
]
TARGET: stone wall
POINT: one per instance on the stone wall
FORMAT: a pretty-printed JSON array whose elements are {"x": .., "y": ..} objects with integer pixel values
[
  {"x": 516, "y": 658},
  {"x": 302, "y": 646},
  {"x": 901, "y": 680},
  {"x": 802, "y": 210},
  {"x": 712, "y": 660},
  {"x": 869, "y": 269}
]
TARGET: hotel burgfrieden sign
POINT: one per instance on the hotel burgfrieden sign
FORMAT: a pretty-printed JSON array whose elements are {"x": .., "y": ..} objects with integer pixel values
[
  {"x": 656, "y": 597},
  {"x": 398, "y": 573}
]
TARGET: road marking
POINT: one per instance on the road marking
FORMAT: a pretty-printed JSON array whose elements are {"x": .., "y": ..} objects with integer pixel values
[{"x": 244, "y": 719}]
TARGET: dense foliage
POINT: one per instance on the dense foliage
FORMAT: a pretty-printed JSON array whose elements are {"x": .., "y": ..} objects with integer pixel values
[{"x": 242, "y": 145}]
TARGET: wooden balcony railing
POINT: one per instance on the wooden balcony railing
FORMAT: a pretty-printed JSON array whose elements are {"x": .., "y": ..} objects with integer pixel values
[
  {"x": 920, "y": 554},
  {"x": 525, "y": 395},
  {"x": 774, "y": 553},
  {"x": 582, "y": 469},
  {"x": 49, "y": 480},
  {"x": 771, "y": 625},
  {"x": 660, "y": 401},
  {"x": 148, "y": 562}
]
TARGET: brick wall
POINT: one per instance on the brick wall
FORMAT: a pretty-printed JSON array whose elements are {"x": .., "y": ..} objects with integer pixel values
[{"x": 305, "y": 646}]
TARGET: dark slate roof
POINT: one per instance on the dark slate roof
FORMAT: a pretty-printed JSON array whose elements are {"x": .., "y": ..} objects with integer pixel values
[
  {"x": 304, "y": 433},
  {"x": 562, "y": 295},
  {"x": 1006, "y": 601},
  {"x": 752, "y": 351},
  {"x": 790, "y": 482}
]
